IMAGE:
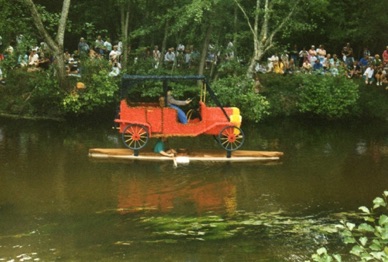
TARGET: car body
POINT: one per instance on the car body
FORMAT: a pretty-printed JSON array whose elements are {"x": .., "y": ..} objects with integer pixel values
[{"x": 139, "y": 121}]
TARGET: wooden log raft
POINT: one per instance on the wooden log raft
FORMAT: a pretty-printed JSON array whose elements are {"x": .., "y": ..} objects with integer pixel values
[{"x": 208, "y": 155}]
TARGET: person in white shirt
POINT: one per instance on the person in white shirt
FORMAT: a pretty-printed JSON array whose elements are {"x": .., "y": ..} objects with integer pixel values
[
  {"x": 156, "y": 55},
  {"x": 113, "y": 55},
  {"x": 368, "y": 75},
  {"x": 169, "y": 57},
  {"x": 116, "y": 68},
  {"x": 33, "y": 58},
  {"x": 108, "y": 45}
]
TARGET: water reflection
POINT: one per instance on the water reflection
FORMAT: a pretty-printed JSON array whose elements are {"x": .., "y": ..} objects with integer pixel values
[
  {"x": 179, "y": 194},
  {"x": 56, "y": 202}
]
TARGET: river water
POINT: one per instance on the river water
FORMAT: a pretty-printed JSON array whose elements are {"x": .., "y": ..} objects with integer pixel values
[{"x": 57, "y": 204}]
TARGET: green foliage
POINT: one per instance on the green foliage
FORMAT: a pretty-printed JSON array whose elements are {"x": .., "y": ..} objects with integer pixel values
[
  {"x": 230, "y": 68},
  {"x": 213, "y": 227},
  {"x": 49, "y": 19},
  {"x": 369, "y": 239},
  {"x": 101, "y": 89},
  {"x": 238, "y": 92},
  {"x": 321, "y": 255},
  {"x": 281, "y": 94},
  {"x": 373, "y": 101},
  {"x": 31, "y": 94},
  {"x": 311, "y": 95},
  {"x": 327, "y": 96}
]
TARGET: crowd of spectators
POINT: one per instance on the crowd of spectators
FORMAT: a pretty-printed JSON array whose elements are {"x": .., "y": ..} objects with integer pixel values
[
  {"x": 315, "y": 60},
  {"x": 371, "y": 68}
]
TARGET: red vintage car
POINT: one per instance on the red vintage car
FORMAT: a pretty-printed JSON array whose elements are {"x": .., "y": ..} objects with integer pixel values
[{"x": 138, "y": 121}]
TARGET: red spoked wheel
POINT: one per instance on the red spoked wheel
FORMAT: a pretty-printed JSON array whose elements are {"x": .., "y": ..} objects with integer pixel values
[
  {"x": 231, "y": 138},
  {"x": 135, "y": 136}
]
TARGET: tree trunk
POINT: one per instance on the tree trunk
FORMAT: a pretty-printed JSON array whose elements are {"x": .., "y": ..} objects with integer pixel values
[
  {"x": 164, "y": 42},
  {"x": 124, "y": 34},
  {"x": 204, "y": 50},
  {"x": 263, "y": 39},
  {"x": 55, "y": 46}
]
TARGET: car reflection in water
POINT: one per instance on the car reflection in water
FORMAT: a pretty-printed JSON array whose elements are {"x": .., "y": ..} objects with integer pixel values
[{"x": 163, "y": 196}]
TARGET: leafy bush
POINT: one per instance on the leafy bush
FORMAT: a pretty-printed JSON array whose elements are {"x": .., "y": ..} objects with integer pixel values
[
  {"x": 31, "y": 94},
  {"x": 238, "y": 91},
  {"x": 281, "y": 93},
  {"x": 311, "y": 95},
  {"x": 327, "y": 96},
  {"x": 100, "y": 89}
]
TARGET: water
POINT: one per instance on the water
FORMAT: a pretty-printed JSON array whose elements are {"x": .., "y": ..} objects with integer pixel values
[{"x": 57, "y": 204}]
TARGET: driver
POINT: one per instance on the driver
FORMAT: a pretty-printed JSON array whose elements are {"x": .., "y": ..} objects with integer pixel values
[{"x": 173, "y": 103}]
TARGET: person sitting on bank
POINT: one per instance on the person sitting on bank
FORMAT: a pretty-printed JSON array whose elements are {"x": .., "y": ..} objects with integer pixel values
[
  {"x": 160, "y": 148},
  {"x": 173, "y": 103}
]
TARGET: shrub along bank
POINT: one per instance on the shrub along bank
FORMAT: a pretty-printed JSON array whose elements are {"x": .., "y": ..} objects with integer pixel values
[{"x": 327, "y": 97}]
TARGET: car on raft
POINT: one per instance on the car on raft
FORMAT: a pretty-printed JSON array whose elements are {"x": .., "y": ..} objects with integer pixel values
[{"x": 139, "y": 119}]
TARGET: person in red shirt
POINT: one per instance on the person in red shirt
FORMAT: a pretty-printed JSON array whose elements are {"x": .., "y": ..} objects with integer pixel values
[{"x": 385, "y": 56}]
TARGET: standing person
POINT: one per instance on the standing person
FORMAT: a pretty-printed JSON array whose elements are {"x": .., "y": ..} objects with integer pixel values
[
  {"x": 385, "y": 56},
  {"x": 321, "y": 53},
  {"x": 173, "y": 103},
  {"x": 294, "y": 54},
  {"x": 230, "y": 50},
  {"x": 156, "y": 55},
  {"x": 302, "y": 55},
  {"x": 312, "y": 55},
  {"x": 83, "y": 47},
  {"x": 188, "y": 58},
  {"x": 108, "y": 46},
  {"x": 160, "y": 148},
  {"x": 347, "y": 53},
  {"x": 169, "y": 57},
  {"x": 366, "y": 52},
  {"x": 99, "y": 45}
]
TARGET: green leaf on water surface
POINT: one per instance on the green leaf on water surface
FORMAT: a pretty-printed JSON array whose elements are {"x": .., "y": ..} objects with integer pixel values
[
  {"x": 366, "y": 227},
  {"x": 350, "y": 226},
  {"x": 337, "y": 257},
  {"x": 385, "y": 193},
  {"x": 356, "y": 250},
  {"x": 363, "y": 241},
  {"x": 379, "y": 202},
  {"x": 328, "y": 229},
  {"x": 366, "y": 256},
  {"x": 322, "y": 251},
  {"x": 384, "y": 233},
  {"x": 383, "y": 220},
  {"x": 376, "y": 245},
  {"x": 364, "y": 209},
  {"x": 379, "y": 256},
  {"x": 252, "y": 222},
  {"x": 349, "y": 240},
  {"x": 369, "y": 219}
]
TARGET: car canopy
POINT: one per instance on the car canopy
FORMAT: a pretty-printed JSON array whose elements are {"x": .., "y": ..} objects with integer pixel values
[{"x": 129, "y": 81}]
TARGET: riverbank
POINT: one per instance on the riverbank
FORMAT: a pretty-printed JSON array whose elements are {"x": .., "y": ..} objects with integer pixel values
[{"x": 301, "y": 95}]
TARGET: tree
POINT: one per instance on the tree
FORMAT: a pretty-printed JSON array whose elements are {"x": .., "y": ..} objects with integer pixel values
[
  {"x": 271, "y": 25},
  {"x": 55, "y": 45}
]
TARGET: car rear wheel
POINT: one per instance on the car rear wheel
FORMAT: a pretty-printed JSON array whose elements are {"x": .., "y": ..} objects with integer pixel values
[
  {"x": 135, "y": 136},
  {"x": 231, "y": 138}
]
